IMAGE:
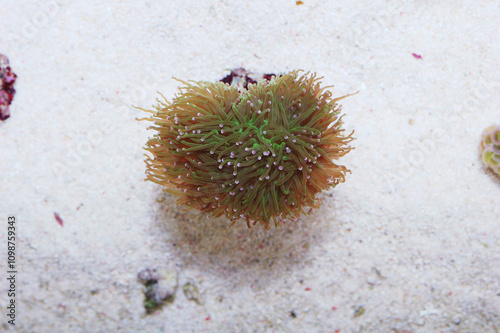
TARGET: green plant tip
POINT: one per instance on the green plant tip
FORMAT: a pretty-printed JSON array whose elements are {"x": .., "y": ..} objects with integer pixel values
[
  {"x": 260, "y": 154},
  {"x": 490, "y": 148}
]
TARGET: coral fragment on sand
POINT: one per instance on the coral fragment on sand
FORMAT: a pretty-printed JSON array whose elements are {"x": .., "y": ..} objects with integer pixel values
[
  {"x": 490, "y": 148},
  {"x": 259, "y": 153},
  {"x": 7, "y": 91},
  {"x": 160, "y": 287}
]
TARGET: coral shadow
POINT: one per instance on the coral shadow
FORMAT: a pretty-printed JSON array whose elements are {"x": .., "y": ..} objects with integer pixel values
[{"x": 236, "y": 253}]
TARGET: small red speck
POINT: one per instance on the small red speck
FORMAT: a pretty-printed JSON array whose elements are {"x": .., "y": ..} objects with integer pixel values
[
  {"x": 307, "y": 289},
  {"x": 207, "y": 319},
  {"x": 449, "y": 294},
  {"x": 334, "y": 308},
  {"x": 337, "y": 331},
  {"x": 418, "y": 56},
  {"x": 261, "y": 246},
  {"x": 58, "y": 219}
]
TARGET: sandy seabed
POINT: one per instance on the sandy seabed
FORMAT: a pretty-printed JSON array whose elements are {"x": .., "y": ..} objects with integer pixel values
[{"x": 410, "y": 243}]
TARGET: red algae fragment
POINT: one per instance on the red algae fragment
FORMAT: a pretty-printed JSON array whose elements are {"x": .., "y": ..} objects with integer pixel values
[
  {"x": 241, "y": 78},
  {"x": 7, "y": 91},
  {"x": 58, "y": 219},
  {"x": 418, "y": 56}
]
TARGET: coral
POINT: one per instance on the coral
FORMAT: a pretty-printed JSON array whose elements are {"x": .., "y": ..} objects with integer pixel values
[
  {"x": 490, "y": 148},
  {"x": 258, "y": 154},
  {"x": 7, "y": 91}
]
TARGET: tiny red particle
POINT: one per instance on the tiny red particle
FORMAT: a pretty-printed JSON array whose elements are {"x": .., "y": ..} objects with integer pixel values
[
  {"x": 334, "y": 308},
  {"x": 418, "y": 56},
  {"x": 207, "y": 319},
  {"x": 307, "y": 289},
  {"x": 58, "y": 219}
]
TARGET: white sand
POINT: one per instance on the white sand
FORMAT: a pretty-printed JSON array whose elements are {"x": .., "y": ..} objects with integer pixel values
[{"x": 412, "y": 237}]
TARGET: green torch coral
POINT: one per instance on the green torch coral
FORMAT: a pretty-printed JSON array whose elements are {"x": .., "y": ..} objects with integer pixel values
[
  {"x": 258, "y": 154},
  {"x": 490, "y": 148}
]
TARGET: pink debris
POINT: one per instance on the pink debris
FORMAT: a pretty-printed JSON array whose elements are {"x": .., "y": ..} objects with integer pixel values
[
  {"x": 418, "y": 56},
  {"x": 58, "y": 219},
  {"x": 7, "y": 91}
]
